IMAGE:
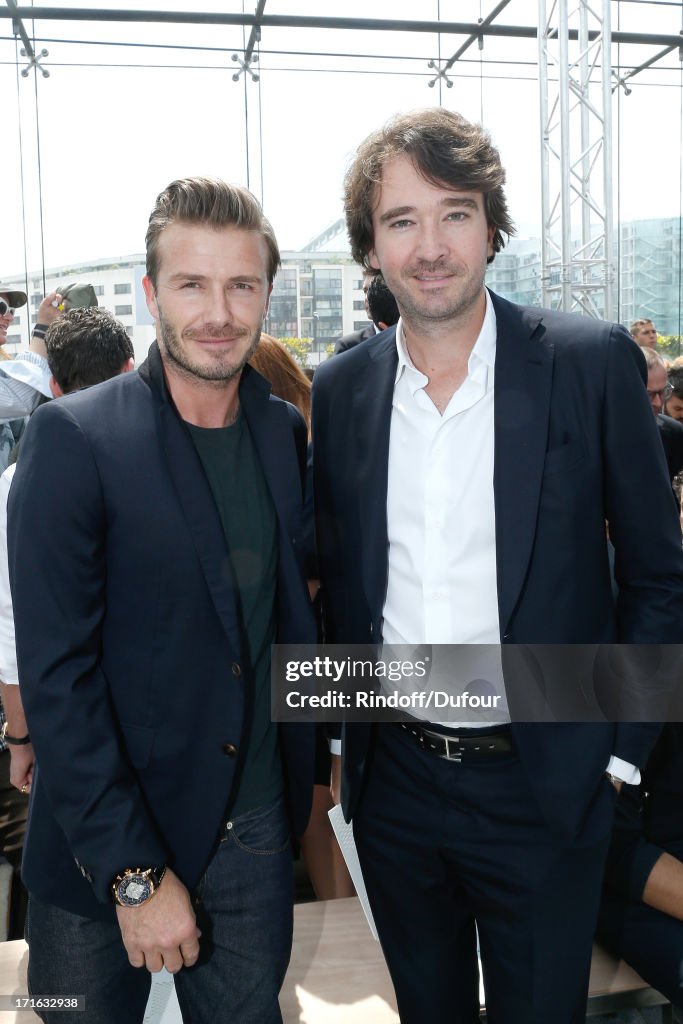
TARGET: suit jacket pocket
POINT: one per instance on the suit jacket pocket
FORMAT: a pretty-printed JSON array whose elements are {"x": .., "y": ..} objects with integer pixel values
[
  {"x": 563, "y": 458},
  {"x": 138, "y": 741}
]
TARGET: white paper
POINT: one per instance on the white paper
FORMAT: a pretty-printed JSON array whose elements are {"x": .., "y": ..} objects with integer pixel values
[
  {"x": 162, "y": 1005},
  {"x": 344, "y": 833}
]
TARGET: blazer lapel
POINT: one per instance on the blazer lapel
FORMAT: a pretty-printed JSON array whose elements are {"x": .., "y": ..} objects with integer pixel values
[
  {"x": 194, "y": 495},
  {"x": 273, "y": 437},
  {"x": 371, "y": 414},
  {"x": 523, "y": 384}
]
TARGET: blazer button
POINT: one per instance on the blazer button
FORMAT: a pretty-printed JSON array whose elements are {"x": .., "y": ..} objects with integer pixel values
[
  {"x": 236, "y": 670},
  {"x": 229, "y": 749}
]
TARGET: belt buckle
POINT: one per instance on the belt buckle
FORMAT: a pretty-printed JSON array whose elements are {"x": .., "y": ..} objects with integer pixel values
[{"x": 457, "y": 755}]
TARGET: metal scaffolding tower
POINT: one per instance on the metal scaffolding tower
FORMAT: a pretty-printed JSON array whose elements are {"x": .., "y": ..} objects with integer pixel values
[{"x": 575, "y": 86}]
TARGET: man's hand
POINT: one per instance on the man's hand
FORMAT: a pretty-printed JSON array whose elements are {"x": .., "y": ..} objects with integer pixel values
[
  {"x": 21, "y": 767},
  {"x": 21, "y": 757},
  {"x": 162, "y": 932},
  {"x": 335, "y": 778},
  {"x": 49, "y": 309}
]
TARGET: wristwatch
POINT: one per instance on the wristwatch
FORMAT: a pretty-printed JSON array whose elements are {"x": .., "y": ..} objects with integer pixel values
[
  {"x": 136, "y": 886},
  {"x": 14, "y": 741}
]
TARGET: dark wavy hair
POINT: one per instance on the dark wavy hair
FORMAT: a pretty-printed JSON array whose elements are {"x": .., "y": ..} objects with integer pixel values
[
  {"x": 86, "y": 346},
  {"x": 446, "y": 150}
]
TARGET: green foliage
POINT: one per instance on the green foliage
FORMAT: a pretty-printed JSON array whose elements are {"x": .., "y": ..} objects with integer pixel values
[
  {"x": 299, "y": 348},
  {"x": 670, "y": 345}
]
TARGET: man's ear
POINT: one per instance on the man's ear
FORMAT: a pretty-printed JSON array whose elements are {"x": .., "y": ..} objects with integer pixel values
[
  {"x": 150, "y": 296},
  {"x": 128, "y": 366},
  {"x": 373, "y": 262},
  {"x": 55, "y": 388}
]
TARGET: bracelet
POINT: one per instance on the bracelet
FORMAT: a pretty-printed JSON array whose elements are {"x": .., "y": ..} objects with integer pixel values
[
  {"x": 40, "y": 330},
  {"x": 14, "y": 741}
]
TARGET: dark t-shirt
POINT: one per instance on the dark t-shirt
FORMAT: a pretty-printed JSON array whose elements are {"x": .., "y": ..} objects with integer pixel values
[{"x": 247, "y": 514}]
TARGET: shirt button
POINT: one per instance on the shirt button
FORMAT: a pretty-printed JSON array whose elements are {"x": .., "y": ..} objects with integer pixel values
[
  {"x": 229, "y": 749},
  {"x": 236, "y": 670}
]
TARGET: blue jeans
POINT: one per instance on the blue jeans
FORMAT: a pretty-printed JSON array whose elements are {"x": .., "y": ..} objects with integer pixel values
[{"x": 244, "y": 910}]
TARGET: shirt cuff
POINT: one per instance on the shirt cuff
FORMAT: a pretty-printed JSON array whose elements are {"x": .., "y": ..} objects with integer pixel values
[
  {"x": 623, "y": 771},
  {"x": 335, "y": 747}
]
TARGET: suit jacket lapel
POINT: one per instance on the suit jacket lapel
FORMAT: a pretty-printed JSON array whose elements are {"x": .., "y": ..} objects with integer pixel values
[
  {"x": 194, "y": 495},
  {"x": 523, "y": 382},
  {"x": 273, "y": 437},
  {"x": 371, "y": 414}
]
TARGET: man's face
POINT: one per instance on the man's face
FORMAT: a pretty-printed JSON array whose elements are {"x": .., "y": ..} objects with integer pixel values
[
  {"x": 431, "y": 244},
  {"x": 657, "y": 381},
  {"x": 5, "y": 320},
  {"x": 210, "y": 299},
  {"x": 647, "y": 336},
  {"x": 674, "y": 408}
]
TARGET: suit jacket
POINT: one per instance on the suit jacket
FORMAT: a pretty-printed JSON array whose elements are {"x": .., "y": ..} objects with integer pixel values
[
  {"x": 671, "y": 433},
  {"x": 132, "y": 665},
  {"x": 351, "y": 340},
  {"x": 569, "y": 402}
]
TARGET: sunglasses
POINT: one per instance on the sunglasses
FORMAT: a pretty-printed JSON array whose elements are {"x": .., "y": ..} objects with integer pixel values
[{"x": 5, "y": 308}]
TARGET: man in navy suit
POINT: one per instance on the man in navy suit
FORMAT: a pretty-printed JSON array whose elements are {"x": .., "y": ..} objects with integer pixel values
[
  {"x": 155, "y": 548},
  {"x": 465, "y": 465}
]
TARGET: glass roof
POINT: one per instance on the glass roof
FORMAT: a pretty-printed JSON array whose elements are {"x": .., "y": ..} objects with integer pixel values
[{"x": 131, "y": 104}]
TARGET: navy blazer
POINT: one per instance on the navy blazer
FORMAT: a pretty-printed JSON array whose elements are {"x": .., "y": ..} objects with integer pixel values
[
  {"x": 132, "y": 668},
  {"x": 575, "y": 445}
]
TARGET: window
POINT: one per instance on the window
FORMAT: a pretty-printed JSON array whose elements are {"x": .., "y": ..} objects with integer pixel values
[
  {"x": 358, "y": 304},
  {"x": 121, "y": 289},
  {"x": 99, "y": 289},
  {"x": 129, "y": 331},
  {"x": 123, "y": 310}
]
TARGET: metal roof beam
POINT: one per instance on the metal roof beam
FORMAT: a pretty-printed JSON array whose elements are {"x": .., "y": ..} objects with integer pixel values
[
  {"x": 295, "y": 21},
  {"x": 468, "y": 42},
  {"x": 18, "y": 27},
  {"x": 255, "y": 35}
]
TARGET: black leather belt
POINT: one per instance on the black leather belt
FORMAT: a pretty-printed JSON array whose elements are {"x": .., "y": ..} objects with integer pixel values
[{"x": 461, "y": 748}]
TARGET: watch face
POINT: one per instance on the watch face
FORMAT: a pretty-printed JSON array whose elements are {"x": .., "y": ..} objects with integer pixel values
[{"x": 134, "y": 890}]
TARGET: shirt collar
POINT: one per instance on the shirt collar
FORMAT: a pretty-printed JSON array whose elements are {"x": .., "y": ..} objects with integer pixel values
[{"x": 483, "y": 355}]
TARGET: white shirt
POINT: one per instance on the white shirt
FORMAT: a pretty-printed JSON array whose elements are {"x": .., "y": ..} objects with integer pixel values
[
  {"x": 442, "y": 586},
  {"x": 22, "y": 381},
  {"x": 8, "y": 651}
]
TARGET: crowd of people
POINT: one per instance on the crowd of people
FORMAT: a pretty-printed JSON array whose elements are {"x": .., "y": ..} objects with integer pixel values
[{"x": 479, "y": 473}]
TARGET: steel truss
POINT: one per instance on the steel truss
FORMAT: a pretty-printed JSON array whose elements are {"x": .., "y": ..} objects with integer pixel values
[{"x": 575, "y": 91}]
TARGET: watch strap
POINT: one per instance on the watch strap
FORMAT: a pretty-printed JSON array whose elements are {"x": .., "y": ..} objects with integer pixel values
[{"x": 14, "y": 741}]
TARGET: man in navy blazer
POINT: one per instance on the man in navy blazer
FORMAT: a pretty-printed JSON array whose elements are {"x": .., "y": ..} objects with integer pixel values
[
  {"x": 466, "y": 463},
  {"x": 155, "y": 544}
]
